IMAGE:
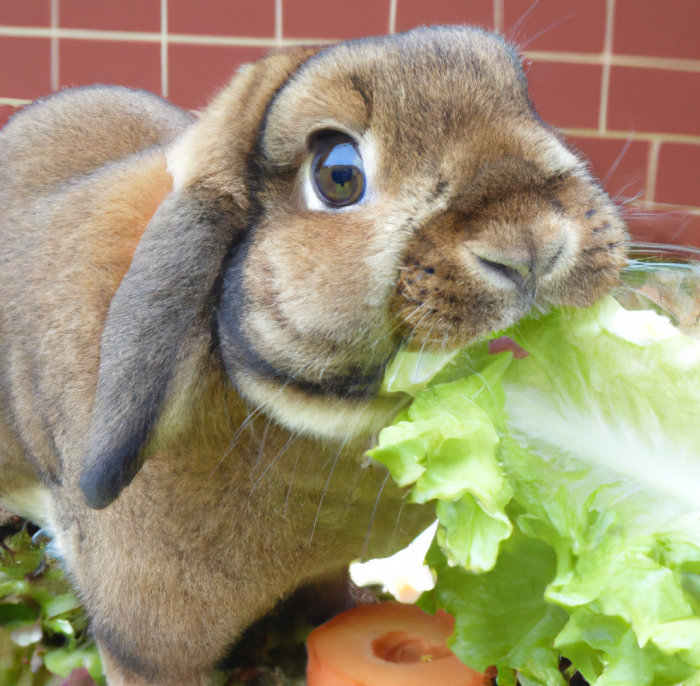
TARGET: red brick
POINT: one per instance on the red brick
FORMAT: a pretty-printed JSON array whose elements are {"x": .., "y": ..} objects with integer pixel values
[
  {"x": 676, "y": 228},
  {"x": 26, "y": 67},
  {"x": 411, "y": 13},
  {"x": 678, "y": 175},
  {"x": 571, "y": 26},
  {"x": 25, "y": 13},
  {"x": 661, "y": 28},
  {"x": 121, "y": 15},
  {"x": 5, "y": 113},
  {"x": 222, "y": 17},
  {"x": 654, "y": 100},
  {"x": 123, "y": 63},
  {"x": 304, "y": 19},
  {"x": 566, "y": 95},
  {"x": 622, "y": 166},
  {"x": 196, "y": 72}
]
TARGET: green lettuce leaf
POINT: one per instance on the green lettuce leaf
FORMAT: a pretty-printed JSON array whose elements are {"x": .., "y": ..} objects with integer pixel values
[
  {"x": 448, "y": 448},
  {"x": 567, "y": 487}
]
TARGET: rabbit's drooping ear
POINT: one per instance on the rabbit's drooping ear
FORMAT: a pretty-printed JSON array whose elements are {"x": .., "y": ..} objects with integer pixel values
[
  {"x": 159, "y": 325},
  {"x": 158, "y": 328}
]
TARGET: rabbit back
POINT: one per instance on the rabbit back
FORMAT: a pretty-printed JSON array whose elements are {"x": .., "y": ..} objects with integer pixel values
[{"x": 81, "y": 174}]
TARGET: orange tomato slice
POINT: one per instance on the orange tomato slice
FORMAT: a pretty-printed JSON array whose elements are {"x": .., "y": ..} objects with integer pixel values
[{"x": 388, "y": 644}]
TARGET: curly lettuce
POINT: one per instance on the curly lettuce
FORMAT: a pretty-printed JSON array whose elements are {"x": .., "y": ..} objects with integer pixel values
[{"x": 567, "y": 487}]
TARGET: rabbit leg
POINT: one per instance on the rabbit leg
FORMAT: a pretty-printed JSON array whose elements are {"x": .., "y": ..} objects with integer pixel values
[
  {"x": 118, "y": 676},
  {"x": 158, "y": 627},
  {"x": 167, "y": 596}
]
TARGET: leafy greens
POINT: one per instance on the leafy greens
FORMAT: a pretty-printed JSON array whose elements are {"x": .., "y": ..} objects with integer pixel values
[{"x": 567, "y": 487}]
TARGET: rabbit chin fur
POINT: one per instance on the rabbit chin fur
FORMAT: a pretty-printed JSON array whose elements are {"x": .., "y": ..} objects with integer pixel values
[{"x": 191, "y": 341}]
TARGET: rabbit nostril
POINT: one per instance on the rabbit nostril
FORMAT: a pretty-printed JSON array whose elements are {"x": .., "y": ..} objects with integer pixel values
[
  {"x": 517, "y": 266},
  {"x": 517, "y": 276}
]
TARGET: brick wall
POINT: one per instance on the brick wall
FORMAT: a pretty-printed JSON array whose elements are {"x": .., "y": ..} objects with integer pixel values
[{"x": 621, "y": 78}]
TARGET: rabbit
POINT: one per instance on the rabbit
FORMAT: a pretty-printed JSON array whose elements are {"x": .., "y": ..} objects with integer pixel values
[{"x": 196, "y": 314}]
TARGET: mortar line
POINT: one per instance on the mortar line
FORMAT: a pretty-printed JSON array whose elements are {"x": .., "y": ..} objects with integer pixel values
[
  {"x": 151, "y": 37},
  {"x": 164, "y": 70},
  {"x": 648, "y": 136},
  {"x": 14, "y": 102},
  {"x": 392, "y": 16},
  {"x": 639, "y": 61},
  {"x": 498, "y": 15},
  {"x": 607, "y": 63},
  {"x": 666, "y": 207},
  {"x": 652, "y": 170},
  {"x": 278, "y": 23},
  {"x": 55, "y": 54}
]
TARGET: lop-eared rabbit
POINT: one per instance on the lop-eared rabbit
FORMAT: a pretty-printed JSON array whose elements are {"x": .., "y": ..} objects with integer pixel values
[{"x": 195, "y": 316}]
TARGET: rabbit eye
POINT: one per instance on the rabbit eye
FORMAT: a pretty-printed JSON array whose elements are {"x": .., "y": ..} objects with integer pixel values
[{"x": 338, "y": 174}]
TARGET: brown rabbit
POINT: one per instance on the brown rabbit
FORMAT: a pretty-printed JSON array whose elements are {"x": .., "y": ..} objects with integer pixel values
[{"x": 195, "y": 316}]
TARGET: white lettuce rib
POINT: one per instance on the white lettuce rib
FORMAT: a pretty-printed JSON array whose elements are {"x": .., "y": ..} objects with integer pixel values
[{"x": 642, "y": 453}]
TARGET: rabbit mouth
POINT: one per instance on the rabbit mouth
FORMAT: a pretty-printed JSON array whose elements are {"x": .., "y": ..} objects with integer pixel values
[
  {"x": 437, "y": 313},
  {"x": 346, "y": 405}
]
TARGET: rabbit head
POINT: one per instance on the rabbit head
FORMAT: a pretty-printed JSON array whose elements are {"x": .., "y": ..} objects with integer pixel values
[{"x": 331, "y": 205}]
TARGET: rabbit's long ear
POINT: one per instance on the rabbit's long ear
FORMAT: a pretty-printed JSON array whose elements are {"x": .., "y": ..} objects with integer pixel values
[{"x": 159, "y": 325}]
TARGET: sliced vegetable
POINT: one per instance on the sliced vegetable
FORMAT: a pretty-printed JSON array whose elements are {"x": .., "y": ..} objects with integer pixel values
[{"x": 388, "y": 644}]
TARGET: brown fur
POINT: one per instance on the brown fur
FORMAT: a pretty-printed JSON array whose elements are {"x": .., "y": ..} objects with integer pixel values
[{"x": 131, "y": 298}]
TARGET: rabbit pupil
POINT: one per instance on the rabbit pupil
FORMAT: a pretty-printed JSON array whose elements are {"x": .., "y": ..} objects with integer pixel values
[{"x": 339, "y": 175}]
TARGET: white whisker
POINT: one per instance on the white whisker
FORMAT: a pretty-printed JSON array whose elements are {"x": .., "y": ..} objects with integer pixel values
[
  {"x": 546, "y": 30},
  {"x": 323, "y": 495},
  {"x": 627, "y": 201},
  {"x": 335, "y": 462},
  {"x": 618, "y": 159},
  {"x": 291, "y": 481},
  {"x": 422, "y": 348},
  {"x": 396, "y": 525},
  {"x": 245, "y": 423},
  {"x": 522, "y": 19},
  {"x": 277, "y": 457},
  {"x": 371, "y": 519},
  {"x": 261, "y": 449}
]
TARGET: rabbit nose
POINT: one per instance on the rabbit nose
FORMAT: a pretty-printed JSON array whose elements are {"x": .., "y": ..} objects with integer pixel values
[{"x": 516, "y": 267}]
